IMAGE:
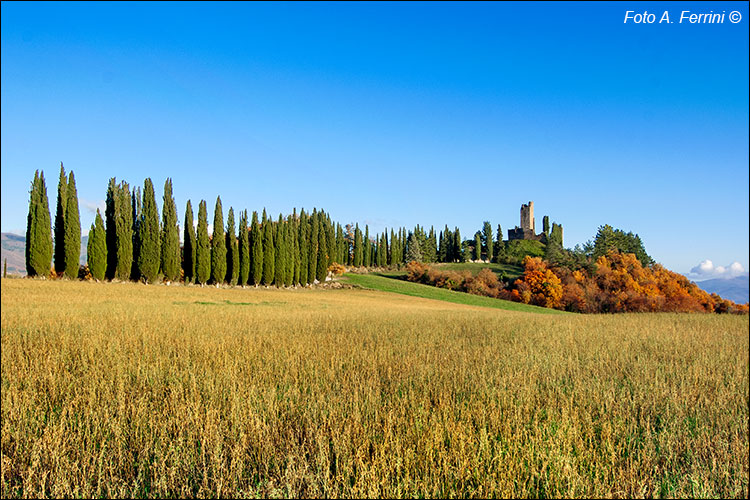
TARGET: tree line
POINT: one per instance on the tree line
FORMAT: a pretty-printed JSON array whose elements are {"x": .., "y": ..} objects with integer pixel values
[{"x": 131, "y": 241}]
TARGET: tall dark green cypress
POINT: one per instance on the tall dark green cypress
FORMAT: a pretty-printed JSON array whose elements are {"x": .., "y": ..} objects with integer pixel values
[
  {"x": 96, "y": 249},
  {"x": 367, "y": 256},
  {"x": 312, "y": 261},
  {"x": 358, "y": 251},
  {"x": 269, "y": 254},
  {"x": 322, "y": 268},
  {"x": 330, "y": 241},
  {"x": 62, "y": 201},
  {"x": 149, "y": 257},
  {"x": 477, "y": 246},
  {"x": 110, "y": 216},
  {"x": 339, "y": 244},
  {"x": 256, "y": 242},
  {"x": 280, "y": 253},
  {"x": 288, "y": 257},
  {"x": 218, "y": 246},
  {"x": 233, "y": 253},
  {"x": 31, "y": 224},
  {"x": 72, "y": 229},
  {"x": 38, "y": 230},
  {"x": 170, "y": 236},
  {"x": 304, "y": 251},
  {"x": 499, "y": 247},
  {"x": 382, "y": 251},
  {"x": 545, "y": 225},
  {"x": 124, "y": 232},
  {"x": 202, "y": 246},
  {"x": 137, "y": 207},
  {"x": 458, "y": 251},
  {"x": 297, "y": 261},
  {"x": 487, "y": 237},
  {"x": 188, "y": 252},
  {"x": 244, "y": 250}
]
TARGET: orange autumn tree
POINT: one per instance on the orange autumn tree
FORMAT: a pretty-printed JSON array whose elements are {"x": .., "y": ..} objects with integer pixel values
[{"x": 538, "y": 285}]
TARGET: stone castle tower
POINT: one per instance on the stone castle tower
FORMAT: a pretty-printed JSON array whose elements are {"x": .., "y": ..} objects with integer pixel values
[
  {"x": 527, "y": 216},
  {"x": 527, "y": 231}
]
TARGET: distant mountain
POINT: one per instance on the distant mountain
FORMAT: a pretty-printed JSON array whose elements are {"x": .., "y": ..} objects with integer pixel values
[
  {"x": 14, "y": 249},
  {"x": 735, "y": 289}
]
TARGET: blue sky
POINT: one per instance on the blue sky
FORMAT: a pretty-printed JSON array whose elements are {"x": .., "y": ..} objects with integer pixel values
[{"x": 393, "y": 114}]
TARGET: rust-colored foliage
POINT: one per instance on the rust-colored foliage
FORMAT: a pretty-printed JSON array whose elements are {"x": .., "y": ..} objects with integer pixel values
[
  {"x": 619, "y": 283},
  {"x": 336, "y": 269}
]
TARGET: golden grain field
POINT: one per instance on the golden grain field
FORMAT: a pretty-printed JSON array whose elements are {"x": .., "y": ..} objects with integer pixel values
[{"x": 128, "y": 390}]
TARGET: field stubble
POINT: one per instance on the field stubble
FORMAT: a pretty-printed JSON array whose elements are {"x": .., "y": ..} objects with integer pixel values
[{"x": 131, "y": 390}]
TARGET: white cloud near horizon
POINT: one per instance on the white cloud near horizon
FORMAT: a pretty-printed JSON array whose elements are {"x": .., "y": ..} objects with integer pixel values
[
  {"x": 91, "y": 206},
  {"x": 707, "y": 270}
]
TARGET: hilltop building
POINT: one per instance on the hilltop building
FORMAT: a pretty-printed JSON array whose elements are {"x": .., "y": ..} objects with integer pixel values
[{"x": 527, "y": 231}]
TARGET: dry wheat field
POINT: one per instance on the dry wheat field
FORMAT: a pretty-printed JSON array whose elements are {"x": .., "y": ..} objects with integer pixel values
[{"x": 128, "y": 390}]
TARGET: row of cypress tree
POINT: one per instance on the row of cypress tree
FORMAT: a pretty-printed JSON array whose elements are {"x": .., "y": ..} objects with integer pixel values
[
  {"x": 132, "y": 242},
  {"x": 67, "y": 228}
]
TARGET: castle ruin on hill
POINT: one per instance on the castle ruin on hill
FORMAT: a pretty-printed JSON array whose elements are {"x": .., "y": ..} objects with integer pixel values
[{"x": 527, "y": 231}]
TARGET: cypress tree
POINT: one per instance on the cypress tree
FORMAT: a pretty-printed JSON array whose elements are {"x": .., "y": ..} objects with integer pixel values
[
  {"x": 545, "y": 225},
  {"x": 233, "y": 253},
  {"x": 244, "y": 250},
  {"x": 188, "y": 253},
  {"x": 432, "y": 246},
  {"x": 218, "y": 246},
  {"x": 322, "y": 267},
  {"x": 330, "y": 241},
  {"x": 31, "y": 224},
  {"x": 44, "y": 231},
  {"x": 124, "y": 230},
  {"x": 367, "y": 256},
  {"x": 382, "y": 251},
  {"x": 149, "y": 257},
  {"x": 202, "y": 247},
  {"x": 62, "y": 201},
  {"x": 137, "y": 207},
  {"x": 312, "y": 260},
  {"x": 39, "y": 230},
  {"x": 288, "y": 254},
  {"x": 487, "y": 237},
  {"x": 256, "y": 242},
  {"x": 280, "y": 253},
  {"x": 458, "y": 251},
  {"x": 477, "y": 246},
  {"x": 304, "y": 251},
  {"x": 269, "y": 254},
  {"x": 358, "y": 252},
  {"x": 72, "y": 229},
  {"x": 170, "y": 236},
  {"x": 97, "y": 248},
  {"x": 339, "y": 244},
  {"x": 499, "y": 245},
  {"x": 296, "y": 254},
  {"x": 111, "y": 229}
]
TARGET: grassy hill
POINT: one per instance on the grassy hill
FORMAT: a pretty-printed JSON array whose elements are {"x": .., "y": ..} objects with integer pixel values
[{"x": 390, "y": 283}]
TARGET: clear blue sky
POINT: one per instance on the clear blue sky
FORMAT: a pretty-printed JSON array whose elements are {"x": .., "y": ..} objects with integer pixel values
[{"x": 392, "y": 114}]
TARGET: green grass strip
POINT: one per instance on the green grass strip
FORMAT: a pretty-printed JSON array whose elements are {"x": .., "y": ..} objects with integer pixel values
[{"x": 392, "y": 285}]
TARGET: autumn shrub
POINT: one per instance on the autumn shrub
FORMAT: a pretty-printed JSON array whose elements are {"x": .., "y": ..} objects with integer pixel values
[
  {"x": 485, "y": 283},
  {"x": 336, "y": 269},
  {"x": 616, "y": 283},
  {"x": 417, "y": 271}
]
